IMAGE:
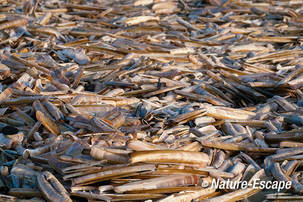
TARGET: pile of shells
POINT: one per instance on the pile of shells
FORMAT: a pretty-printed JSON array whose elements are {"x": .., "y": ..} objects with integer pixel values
[{"x": 154, "y": 100}]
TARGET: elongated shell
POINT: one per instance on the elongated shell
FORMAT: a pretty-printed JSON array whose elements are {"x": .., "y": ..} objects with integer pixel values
[
  {"x": 159, "y": 182},
  {"x": 170, "y": 156},
  {"x": 229, "y": 113}
]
